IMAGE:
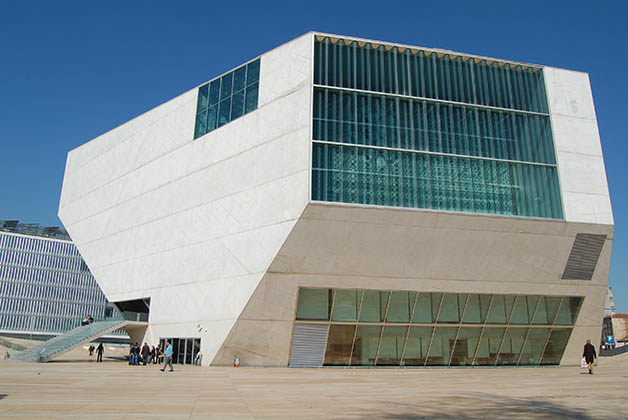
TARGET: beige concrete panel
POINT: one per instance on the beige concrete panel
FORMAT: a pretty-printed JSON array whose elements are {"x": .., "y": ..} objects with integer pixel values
[
  {"x": 259, "y": 343},
  {"x": 273, "y": 300}
]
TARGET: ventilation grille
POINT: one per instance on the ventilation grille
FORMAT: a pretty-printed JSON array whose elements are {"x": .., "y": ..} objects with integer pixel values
[
  {"x": 583, "y": 257},
  {"x": 308, "y": 345}
]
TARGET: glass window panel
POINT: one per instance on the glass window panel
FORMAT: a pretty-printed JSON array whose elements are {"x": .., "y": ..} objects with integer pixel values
[
  {"x": 203, "y": 96},
  {"x": 339, "y": 342},
  {"x": 400, "y": 306},
  {"x": 212, "y": 117},
  {"x": 252, "y": 72},
  {"x": 417, "y": 346},
  {"x": 237, "y": 105},
  {"x": 568, "y": 311},
  {"x": 251, "y": 98},
  {"x": 520, "y": 313},
  {"x": 450, "y": 309},
  {"x": 201, "y": 125},
  {"x": 512, "y": 345},
  {"x": 346, "y": 305},
  {"x": 477, "y": 309},
  {"x": 423, "y": 311},
  {"x": 500, "y": 309},
  {"x": 373, "y": 306},
  {"x": 214, "y": 92},
  {"x": 224, "y": 112},
  {"x": 365, "y": 347},
  {"x": 467, "y": 342},
  {"x": 239, "y": 79},
  {"x": 556, "y": 346},
  {"x": 226, "y": 83},
  {"x": 546, "y": 310},
  {"x": 442, "y": 346},
  {"x": 314, "y": 304},
  {"x": 533, "y": 348},
  {"x": 489, "y": 346},
  {"x": 391, "y": 347}
]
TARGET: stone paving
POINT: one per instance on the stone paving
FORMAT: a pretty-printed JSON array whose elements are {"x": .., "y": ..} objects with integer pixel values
[{"x": 78, "y": 388}]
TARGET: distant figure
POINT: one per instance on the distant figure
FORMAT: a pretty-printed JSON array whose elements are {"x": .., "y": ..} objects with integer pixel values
[
  {"x": 589, "y": 355},
  {"x": 168, "y": 357},
  {"x": 152, "y": 355},
  {"x": 99, "y": 352},
  {"x": 198, "y": 358},
  {"x": 91, "y": 349},
  {"x": 145, "y": 352}
]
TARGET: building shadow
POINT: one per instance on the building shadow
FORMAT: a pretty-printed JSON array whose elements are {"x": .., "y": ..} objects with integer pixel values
[{"x": 467, "y": 408}]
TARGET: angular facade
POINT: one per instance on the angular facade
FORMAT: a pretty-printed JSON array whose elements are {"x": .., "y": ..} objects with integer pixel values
[{"x": 341, "y": 201}]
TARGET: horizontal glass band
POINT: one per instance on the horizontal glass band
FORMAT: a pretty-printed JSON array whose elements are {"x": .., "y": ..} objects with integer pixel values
[
  {"x": 356, "y": 118},
  {"x": 365, "y": 66},
  {"x": 366, "y": 175}
]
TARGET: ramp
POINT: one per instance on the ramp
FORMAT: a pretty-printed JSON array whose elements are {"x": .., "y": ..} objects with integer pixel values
[{"x": 65, "y": 342}]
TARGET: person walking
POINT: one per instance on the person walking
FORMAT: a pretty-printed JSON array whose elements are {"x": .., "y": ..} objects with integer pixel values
[
  {"x": 589, "y": 355},
  {"x": 99, "y": 351},
  {"x": 168, "y": 357},
  {"x": 145, "y": 352}
]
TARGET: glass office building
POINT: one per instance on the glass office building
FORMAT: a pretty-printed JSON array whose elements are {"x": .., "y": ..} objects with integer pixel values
[
  {"x": 340, "y": 201},
  {"x": 45, "y": 286}
]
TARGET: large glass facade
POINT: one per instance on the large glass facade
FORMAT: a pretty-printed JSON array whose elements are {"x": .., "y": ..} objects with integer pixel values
[
  {"x": 226, "y": 98},
  {"x": 410, "y": 128},
  {"x": 403, "y": 328},
  {"x": 45, "y": 286}
]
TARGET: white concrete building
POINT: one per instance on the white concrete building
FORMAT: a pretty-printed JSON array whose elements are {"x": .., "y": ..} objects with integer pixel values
[{"x": 343, "y": 201}]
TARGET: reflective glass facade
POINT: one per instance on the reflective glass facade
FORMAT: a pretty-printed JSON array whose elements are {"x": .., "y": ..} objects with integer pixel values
[
  {"x": 403, "y": 328},
  {"x": 408, "y": 128},
  {"x": 226, "y": 98},
  {"x": 45, "y": 285}
]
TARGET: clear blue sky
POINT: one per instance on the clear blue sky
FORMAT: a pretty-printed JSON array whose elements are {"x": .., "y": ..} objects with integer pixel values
[{"x": 70, "y": 71}]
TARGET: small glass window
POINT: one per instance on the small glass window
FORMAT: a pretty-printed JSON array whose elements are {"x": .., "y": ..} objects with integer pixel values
[
  {"x": 346, "y": 305},
  {"x": 226, "y": 83},
  {"x": 366, "y": 344},
  {"x": 466, "y": 343},
  {"x": 239, "y": 79},
  {"x": 512, "y": 345},
  {"x": 214, "y": 92},
  {"x": 373, "y": 306},
  {"x": 533, "y": 349},
  {"x": 314, "y": 304},
  {"x": 556, "y": 346},
  {"x": 400, "y": 307},
  {"x": 203, "y": 96},
  {"x": 391, "y": 346},
  {"x": 339, "y": 343},
  {"x": 224, "y": 112},
  {"x": 237, "y": 105},
  {"x": 417, "y": 346},
  {"x": 252, "y": 72},
  {"x": 442, "y": 346},
  {"x": 251, "y": 98}
]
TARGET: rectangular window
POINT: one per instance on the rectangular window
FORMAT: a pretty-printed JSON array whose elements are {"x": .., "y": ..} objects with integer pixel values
[{"x": 227, "y": 98}]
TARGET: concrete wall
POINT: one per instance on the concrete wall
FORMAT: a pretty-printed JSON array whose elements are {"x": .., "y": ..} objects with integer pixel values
[
  {"x": 578, "y": 149},
  {"x": 353, "y": 247},
  {"x": 194, "y": 224}
]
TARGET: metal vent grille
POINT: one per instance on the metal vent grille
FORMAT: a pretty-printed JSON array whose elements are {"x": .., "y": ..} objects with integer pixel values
[
  {"x": 308, "y": 345},
  {"x": 583, "y": 257}
]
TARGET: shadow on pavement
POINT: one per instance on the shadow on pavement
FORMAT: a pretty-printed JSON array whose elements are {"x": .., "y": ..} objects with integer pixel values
[{"x": 482, "y": 408}]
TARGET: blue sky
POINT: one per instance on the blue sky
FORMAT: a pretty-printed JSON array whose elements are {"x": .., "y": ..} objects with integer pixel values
[{"x": 70, "y": 71}]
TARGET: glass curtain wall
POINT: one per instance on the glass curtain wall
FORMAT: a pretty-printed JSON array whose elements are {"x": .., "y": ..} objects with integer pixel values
[
  {"x": 402, "y": 328},
  {"x": 409, "y": 128},
  {"x": 45, "y": 286}
]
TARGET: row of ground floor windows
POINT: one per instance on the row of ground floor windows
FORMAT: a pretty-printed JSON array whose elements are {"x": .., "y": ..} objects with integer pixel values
[{"x": 386, "y": 345}]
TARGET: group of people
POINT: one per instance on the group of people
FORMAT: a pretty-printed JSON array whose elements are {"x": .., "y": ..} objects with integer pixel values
[
  {"x": 99, "y": 351},
  {"x": 145, "y": 354}
]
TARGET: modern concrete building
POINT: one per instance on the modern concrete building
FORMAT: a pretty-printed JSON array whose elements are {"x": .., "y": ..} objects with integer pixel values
[
  {"x": 45, "y": 286},
  {"x": 342, "y": 201}
]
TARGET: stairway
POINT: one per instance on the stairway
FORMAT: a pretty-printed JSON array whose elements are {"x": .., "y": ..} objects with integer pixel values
[{"x": 69, "y": 340}]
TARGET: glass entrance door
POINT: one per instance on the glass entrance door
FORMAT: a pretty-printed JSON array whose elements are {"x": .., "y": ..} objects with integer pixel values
[{"x": 184, "y": 350}]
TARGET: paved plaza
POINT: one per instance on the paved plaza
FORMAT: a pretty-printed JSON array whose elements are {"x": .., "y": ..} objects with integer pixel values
[{"x": 76, "y": 387}]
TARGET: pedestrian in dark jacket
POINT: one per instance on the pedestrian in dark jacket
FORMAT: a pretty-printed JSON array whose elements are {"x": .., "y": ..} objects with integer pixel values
[
  {"x": 145, "y": 352},
  {"x": 589, "y": 355},
  {"x": 99, "y": 352}
]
